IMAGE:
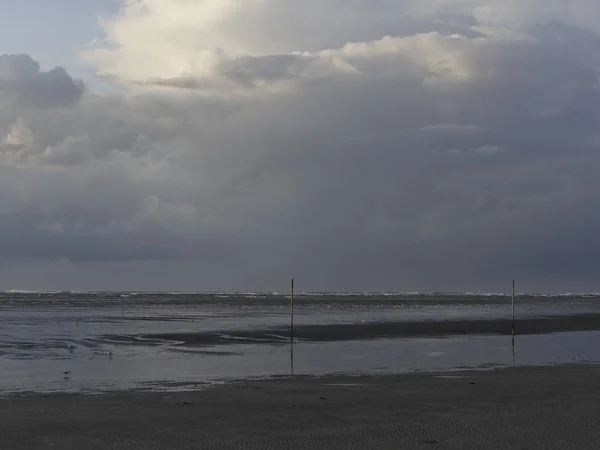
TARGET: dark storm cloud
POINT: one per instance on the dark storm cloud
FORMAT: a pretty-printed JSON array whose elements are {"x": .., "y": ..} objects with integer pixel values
[
  {"x": 400, "y": 206},
  {"x": 22, "y": 80},
  {"x": 407, "y": 162}
]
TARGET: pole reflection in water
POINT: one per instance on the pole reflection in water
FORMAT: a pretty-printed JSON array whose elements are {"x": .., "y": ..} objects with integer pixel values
[
  {"x": 513, "y": 351},
  {"x": 292, "y": 358}
]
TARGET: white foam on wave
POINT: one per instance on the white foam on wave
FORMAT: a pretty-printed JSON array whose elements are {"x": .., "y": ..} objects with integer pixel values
[{"x": 301, "y": 294}]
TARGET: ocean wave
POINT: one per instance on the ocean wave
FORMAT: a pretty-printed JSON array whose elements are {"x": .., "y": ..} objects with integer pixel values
[{"x": 252, "y": 299}]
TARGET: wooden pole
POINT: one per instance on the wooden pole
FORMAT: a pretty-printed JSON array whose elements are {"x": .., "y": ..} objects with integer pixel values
[
  {"x": 292, "y": 313},
  {"x": 513, "y": 307}
]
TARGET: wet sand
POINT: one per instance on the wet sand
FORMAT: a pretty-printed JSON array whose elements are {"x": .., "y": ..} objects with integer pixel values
[
  {"x": 373, "y": 330},
  {"x": 523, "y": 408}
]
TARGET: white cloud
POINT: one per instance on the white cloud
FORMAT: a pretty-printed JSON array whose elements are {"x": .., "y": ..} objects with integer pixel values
[
  {"x": 177, "y": 38},
  {"x": 18, "y": 137}
]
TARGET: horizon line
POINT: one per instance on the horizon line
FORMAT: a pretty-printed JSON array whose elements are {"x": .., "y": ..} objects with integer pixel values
[{"x": 301, "y": 293}]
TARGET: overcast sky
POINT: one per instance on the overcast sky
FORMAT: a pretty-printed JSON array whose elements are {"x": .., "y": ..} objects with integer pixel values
[{"x": 382, "y": 145}]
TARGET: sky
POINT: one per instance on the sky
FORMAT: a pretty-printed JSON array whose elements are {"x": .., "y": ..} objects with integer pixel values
[{"x": 355, "y": 145}]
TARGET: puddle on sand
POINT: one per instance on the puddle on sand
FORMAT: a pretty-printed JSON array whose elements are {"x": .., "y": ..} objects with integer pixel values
[{"x": 166, "y": 371}]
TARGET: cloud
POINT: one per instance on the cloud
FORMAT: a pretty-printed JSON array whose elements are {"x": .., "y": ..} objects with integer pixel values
[
  {"x": 449, "y": 128},
  {"x": 439, "y": 58},
  {"x": 170, "y": 38},
  {"x": 396, "y": 146},
  {"x": 488, "y": 149},
  {"x": 22, "y": 81}
]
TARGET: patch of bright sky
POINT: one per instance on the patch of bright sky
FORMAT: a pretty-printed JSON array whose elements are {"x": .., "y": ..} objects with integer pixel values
[{"x": 53, "y": 31}]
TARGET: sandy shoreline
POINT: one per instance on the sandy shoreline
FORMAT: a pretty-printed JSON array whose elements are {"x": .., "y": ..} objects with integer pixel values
[
  {"x": 536, "y": 408},
  {"x": 373, "y": 330}
]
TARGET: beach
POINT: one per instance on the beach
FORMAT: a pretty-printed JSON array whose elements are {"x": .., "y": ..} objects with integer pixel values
[
  {"x": 552, "y": 407},
  {"x": 74, "y": 342},
  {"x": 217, "y": 371}
]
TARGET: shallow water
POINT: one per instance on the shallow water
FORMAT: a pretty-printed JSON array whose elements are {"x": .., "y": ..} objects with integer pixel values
[{"x": 94, "y": 342}]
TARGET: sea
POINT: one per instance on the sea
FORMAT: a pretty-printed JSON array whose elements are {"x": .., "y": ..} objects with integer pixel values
[{"x": 95, "y": 342}]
